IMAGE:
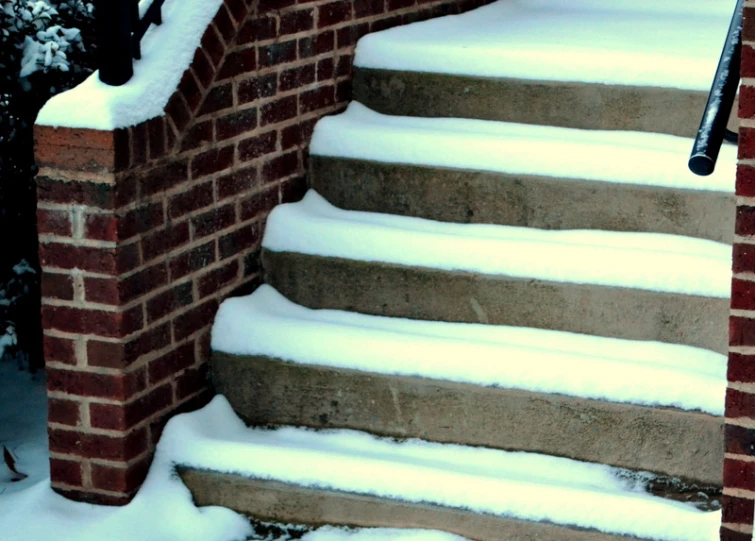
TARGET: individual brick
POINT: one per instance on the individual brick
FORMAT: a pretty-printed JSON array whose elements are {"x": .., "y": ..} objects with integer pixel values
[
  {"x": 54, "y": 222},
  {"x": 164, "y": 240},
  {"x": 193, "y": 320},
  {"x": 333, "y": 13},
  {"x": 217, "y": 278},
  {"x": 280, "y": 167},
  {"x": 238, "y": 241},
  {"x": 81, "y": 383},
  {"x": 57, "y": 286},
  {"x": 84, "y": 321},
  {"x": 218, "y": 98},
  {"x": 278, "y": 110},
  {"x": 171, "y": 363},
  {"x": 169, "y": 301},
  {"x": 195, "y": 198},
  {"x": 238, "y": 62},
  {"x": 237, "y": 181},
  {"x": 211, "y": 161},
  {"x": 192, "y": 260},
  {"x": 214, "y": 220},
  {"x": 294, "y": 22},
  {"x": 277, "y": 53},
  {"x": 254, "y": 147},
  {"x": 235, "y": 123},
  {"x": 60, "y": 350},
  {"x": 63, "y": 412}
]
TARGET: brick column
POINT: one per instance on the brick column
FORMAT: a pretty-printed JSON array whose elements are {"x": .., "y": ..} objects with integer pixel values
[{"x": 739, "y": 467}]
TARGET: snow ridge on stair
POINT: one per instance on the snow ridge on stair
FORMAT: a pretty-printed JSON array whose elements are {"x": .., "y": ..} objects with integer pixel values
[
  {"x": 645, "y": 373},
  {"x": 521, "y": 485},
  {"x": 649, "y": 261},
  {"x": 650, "y": 159},
  {"x": 643, "y": 42}
]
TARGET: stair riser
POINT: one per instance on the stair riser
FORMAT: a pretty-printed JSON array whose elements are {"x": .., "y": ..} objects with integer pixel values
[
  {"x": 551, "y": 103},
  {"x": 418, "y": 293},
  {"x": 664, "y": 440},
  {"x": 466, "y": 196},
  {"x": 283, "y": 503}
]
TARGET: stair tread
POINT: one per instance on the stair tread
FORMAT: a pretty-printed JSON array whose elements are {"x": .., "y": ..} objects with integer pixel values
[
  {"x": 604, "y": 156},
  {"x": 643, "y": 43},
  {"x": 525, "y": 486},
  {"x": 644, "y": 373},
  {"x": 648, "y": 261}
]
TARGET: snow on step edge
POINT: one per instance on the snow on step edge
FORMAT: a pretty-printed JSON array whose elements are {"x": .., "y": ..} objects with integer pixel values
[
  {"x": 525, "y": 486},
  {"x": 603, "y": 156},
  {"x": 650, "y": 261},
  {"x": 643, "y": 43},
  {"x": 645, "y": 373}
]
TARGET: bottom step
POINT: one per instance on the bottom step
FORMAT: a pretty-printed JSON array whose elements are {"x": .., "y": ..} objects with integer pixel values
[{"x": 351, "y": 478}]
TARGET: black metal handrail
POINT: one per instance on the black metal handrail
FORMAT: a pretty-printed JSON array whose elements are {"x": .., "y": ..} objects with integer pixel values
[
  {"x": 119, "y": 36},
  {"x": 713, "y": 131}
]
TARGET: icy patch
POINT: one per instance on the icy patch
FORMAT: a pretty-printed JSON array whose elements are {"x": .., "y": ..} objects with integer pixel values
[
  {"x": 646, "y": 373},
  {"x": 644, "y": 42},
  {"x": 521, "y": 485},
  {"x": 167, "y": 50},
  {"x": 645, "y": 158},
  {"x": 650, "y": 261}
]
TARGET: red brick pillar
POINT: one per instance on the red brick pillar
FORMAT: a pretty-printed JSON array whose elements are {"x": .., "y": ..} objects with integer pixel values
[
  {"x": 126, "y": 321},
  {"x": 739, "y": 468}
]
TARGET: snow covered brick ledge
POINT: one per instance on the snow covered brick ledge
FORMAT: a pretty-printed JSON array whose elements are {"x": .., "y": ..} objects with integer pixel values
[{"x": 152, "y": 198}]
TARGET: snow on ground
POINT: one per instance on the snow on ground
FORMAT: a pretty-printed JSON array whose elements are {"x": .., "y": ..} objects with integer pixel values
[
  {"x": 646, "y": 158},
  {"x": 167, "y": 50},
  {"x": 23, "y": 427},
  {"x": 646, "y": 373},
  {"x": 643, "y": 42},
  {"x": 162, "y": 510},
  {"x": 513, "y": 484},
  {"x": 650, "y": 261}
]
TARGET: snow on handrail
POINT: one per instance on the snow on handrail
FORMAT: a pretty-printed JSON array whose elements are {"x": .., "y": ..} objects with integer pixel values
[{"x": 713, "y": 131}]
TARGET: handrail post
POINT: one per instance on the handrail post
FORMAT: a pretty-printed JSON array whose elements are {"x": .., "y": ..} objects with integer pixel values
[{"x": 114, "y": 47}]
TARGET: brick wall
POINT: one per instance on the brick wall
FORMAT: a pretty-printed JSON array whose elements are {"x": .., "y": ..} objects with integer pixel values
[
  {"x": 144, "y": 230},
  {"x": 739, "y": 467}
]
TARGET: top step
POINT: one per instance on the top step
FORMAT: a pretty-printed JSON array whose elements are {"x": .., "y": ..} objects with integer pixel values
[{"x": 644, "y": 66}]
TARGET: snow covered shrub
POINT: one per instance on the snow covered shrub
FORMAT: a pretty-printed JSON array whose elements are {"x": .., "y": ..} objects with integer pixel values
[{"x": 46, "y": 47}]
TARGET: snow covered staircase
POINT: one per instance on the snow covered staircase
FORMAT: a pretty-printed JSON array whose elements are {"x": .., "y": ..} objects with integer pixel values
[{"x": 495, "y": 287}]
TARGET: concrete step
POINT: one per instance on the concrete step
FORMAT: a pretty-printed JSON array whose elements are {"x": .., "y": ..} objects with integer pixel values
[
  {"x": 472, "y": 171},
  {"x": 347, "y": 477},
  {"x": 623, "y": 285},
  {"x": 643, "y": 406},
  {"x": 581, "y": 64}
]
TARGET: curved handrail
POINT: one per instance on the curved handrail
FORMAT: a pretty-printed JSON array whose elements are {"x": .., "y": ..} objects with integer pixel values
[{"x": 712, "y": 131}]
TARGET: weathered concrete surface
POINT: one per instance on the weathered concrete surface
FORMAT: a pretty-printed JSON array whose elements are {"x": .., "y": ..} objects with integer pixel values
[
  {"x": 663, "y": 440},
  {"x": 429, "y": 294},
  {"x": 278, "y": 502},
  {"x": 467, "y": 196},
  {"x": 553, "y": 103}
]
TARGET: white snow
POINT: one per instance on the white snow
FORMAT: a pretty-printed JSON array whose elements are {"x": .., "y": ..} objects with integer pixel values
[
  {"x": 648, "y": 261},
  {"x": 646, "y": 373},
  {"x": 23, "y": 426},
  {"x": 673, "y": 43},
  {"x": 167, "y": 50},
  {"x": 604, "y": 156},
  {"x": 522, "y": 485}
]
